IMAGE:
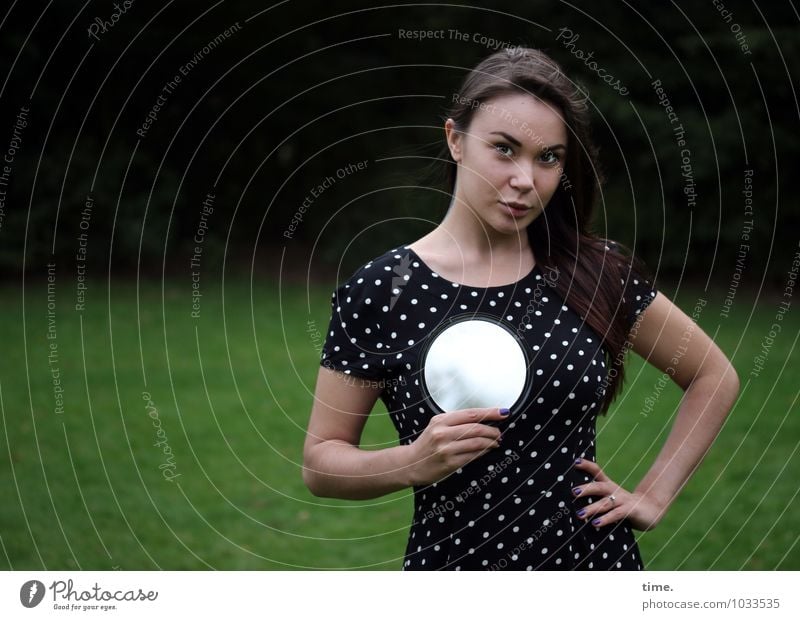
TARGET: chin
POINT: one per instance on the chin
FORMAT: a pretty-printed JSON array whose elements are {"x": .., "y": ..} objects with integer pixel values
[{"x": 513, "y": 228}]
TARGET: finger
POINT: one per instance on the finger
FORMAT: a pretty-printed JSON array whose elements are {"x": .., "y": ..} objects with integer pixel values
[
  {"x": 593, "y": 488},
  {"x": 466, "y": 431},
  {"x": 470, "y": 431},
  {"x": 606, "y": 505},
  {"x": 475, "y": 444},
  {"x": 613, "y": 516},
  {"x": 592, "y": 468},
  {"x": 596, "y": 509},
  {"x": 465, "y": 416}
]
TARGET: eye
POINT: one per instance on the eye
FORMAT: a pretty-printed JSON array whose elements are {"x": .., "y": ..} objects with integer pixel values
[
  {"x": 504, "y": 149},
  {"x": 549, "y": 157}
]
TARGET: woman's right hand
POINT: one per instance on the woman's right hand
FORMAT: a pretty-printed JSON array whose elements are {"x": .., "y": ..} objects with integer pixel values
[{"x": 451, "y": 440}]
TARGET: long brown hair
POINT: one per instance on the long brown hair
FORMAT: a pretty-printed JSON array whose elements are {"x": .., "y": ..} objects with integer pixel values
[{"x": 560, "y": 236}]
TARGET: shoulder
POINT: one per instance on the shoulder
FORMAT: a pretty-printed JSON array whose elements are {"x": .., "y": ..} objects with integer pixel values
[
  {"x": 624, "y": 257},
  {"x": 637, "y": 285},
  {"x": 614, "y": 248},
  {"x": 359, "y": 339},
  {"x": 377, "y": 276}
]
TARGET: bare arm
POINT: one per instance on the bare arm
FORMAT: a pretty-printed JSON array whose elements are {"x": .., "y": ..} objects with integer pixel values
[
  {"x": 673, "y": 343},
  {"x": 333, "y": 464}
]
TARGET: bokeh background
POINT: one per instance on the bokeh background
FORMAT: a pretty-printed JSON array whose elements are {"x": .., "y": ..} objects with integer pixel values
[{"x": 184, "y": 184}]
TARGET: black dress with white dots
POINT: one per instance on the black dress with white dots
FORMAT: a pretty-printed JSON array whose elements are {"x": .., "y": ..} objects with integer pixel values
[{"x": 512, "y": 508}]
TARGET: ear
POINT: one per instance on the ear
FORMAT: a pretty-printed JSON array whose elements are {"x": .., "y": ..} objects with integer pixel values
[{"x": 454, "y": 140}]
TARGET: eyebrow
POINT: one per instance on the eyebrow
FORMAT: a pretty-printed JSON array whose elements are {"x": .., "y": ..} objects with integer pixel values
[{"x": 516, "y": 142}]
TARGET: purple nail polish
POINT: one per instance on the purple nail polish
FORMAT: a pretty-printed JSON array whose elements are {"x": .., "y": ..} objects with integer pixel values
[
  {"x": 504, "y": 411},
  {"x": 596, "y": 522},
  {"x": 581, "y": 512},
  {"x": 578, "y": 461},
  {"x": 576, "y": 491}
]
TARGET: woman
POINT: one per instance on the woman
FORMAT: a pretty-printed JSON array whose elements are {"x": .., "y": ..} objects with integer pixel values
[{"x": 493, "y": 488}]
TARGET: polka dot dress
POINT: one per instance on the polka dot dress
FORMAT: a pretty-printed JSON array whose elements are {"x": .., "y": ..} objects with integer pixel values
[{"x": 511, "y": 509}]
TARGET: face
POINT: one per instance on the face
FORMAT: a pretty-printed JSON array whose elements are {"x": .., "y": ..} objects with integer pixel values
[{"x": 510, "y": 161}]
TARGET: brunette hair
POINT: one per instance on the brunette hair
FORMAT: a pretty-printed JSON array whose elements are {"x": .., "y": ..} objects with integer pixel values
[{"x": 560, "y": 236}]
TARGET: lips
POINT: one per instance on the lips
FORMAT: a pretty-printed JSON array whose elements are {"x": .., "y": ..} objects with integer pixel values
[
  {"x": 516, "y": 205},
  {"x": 517, "y": 209}
]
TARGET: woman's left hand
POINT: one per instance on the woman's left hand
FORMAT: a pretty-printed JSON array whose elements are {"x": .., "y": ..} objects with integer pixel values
[{"x": 642, "y": 511}]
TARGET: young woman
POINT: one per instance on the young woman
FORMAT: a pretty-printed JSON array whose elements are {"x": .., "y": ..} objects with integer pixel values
[{"x": 518, "y": 489}]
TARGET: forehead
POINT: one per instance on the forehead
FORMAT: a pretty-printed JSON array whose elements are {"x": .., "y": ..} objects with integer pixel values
[{"x": 530, "y": 120}]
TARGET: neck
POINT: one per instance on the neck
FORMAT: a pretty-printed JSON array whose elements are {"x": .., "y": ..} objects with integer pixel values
[{"x": 461, "y": 227}]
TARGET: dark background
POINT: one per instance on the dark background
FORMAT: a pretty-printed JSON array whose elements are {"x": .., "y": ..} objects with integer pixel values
[
  {"x": 304, "y": 88},
  {"x": 301, "y": 90}
]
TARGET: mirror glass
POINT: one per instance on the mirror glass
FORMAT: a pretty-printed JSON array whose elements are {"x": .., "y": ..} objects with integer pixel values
[{"x": 475, "y": 363}]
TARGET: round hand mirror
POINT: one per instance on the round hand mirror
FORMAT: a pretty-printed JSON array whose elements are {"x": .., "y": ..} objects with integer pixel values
[{"x": 474, "y": 361}]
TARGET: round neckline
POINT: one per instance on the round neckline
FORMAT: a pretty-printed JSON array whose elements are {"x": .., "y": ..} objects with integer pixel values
[{"x": 436, "y": 274}]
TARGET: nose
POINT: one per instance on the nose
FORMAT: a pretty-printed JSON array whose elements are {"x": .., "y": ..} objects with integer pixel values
[{"x": 521, "y": 179}]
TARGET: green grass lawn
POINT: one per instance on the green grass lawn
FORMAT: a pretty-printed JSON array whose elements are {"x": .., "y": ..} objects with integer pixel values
[{"x": 232, "y": 390}]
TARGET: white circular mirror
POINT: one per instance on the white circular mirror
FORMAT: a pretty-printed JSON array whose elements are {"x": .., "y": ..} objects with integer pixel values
[{"x": 474, "y": 362}]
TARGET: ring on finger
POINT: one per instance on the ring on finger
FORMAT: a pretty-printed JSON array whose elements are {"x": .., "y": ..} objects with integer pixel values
[{"x": 613, "y": 500}]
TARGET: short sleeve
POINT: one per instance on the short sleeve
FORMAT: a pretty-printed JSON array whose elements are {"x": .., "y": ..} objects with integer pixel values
[
  {"x": 355, "y": 343},
  {"x": 637, "y": 290},
  {"x": 637, "y": 294}
]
